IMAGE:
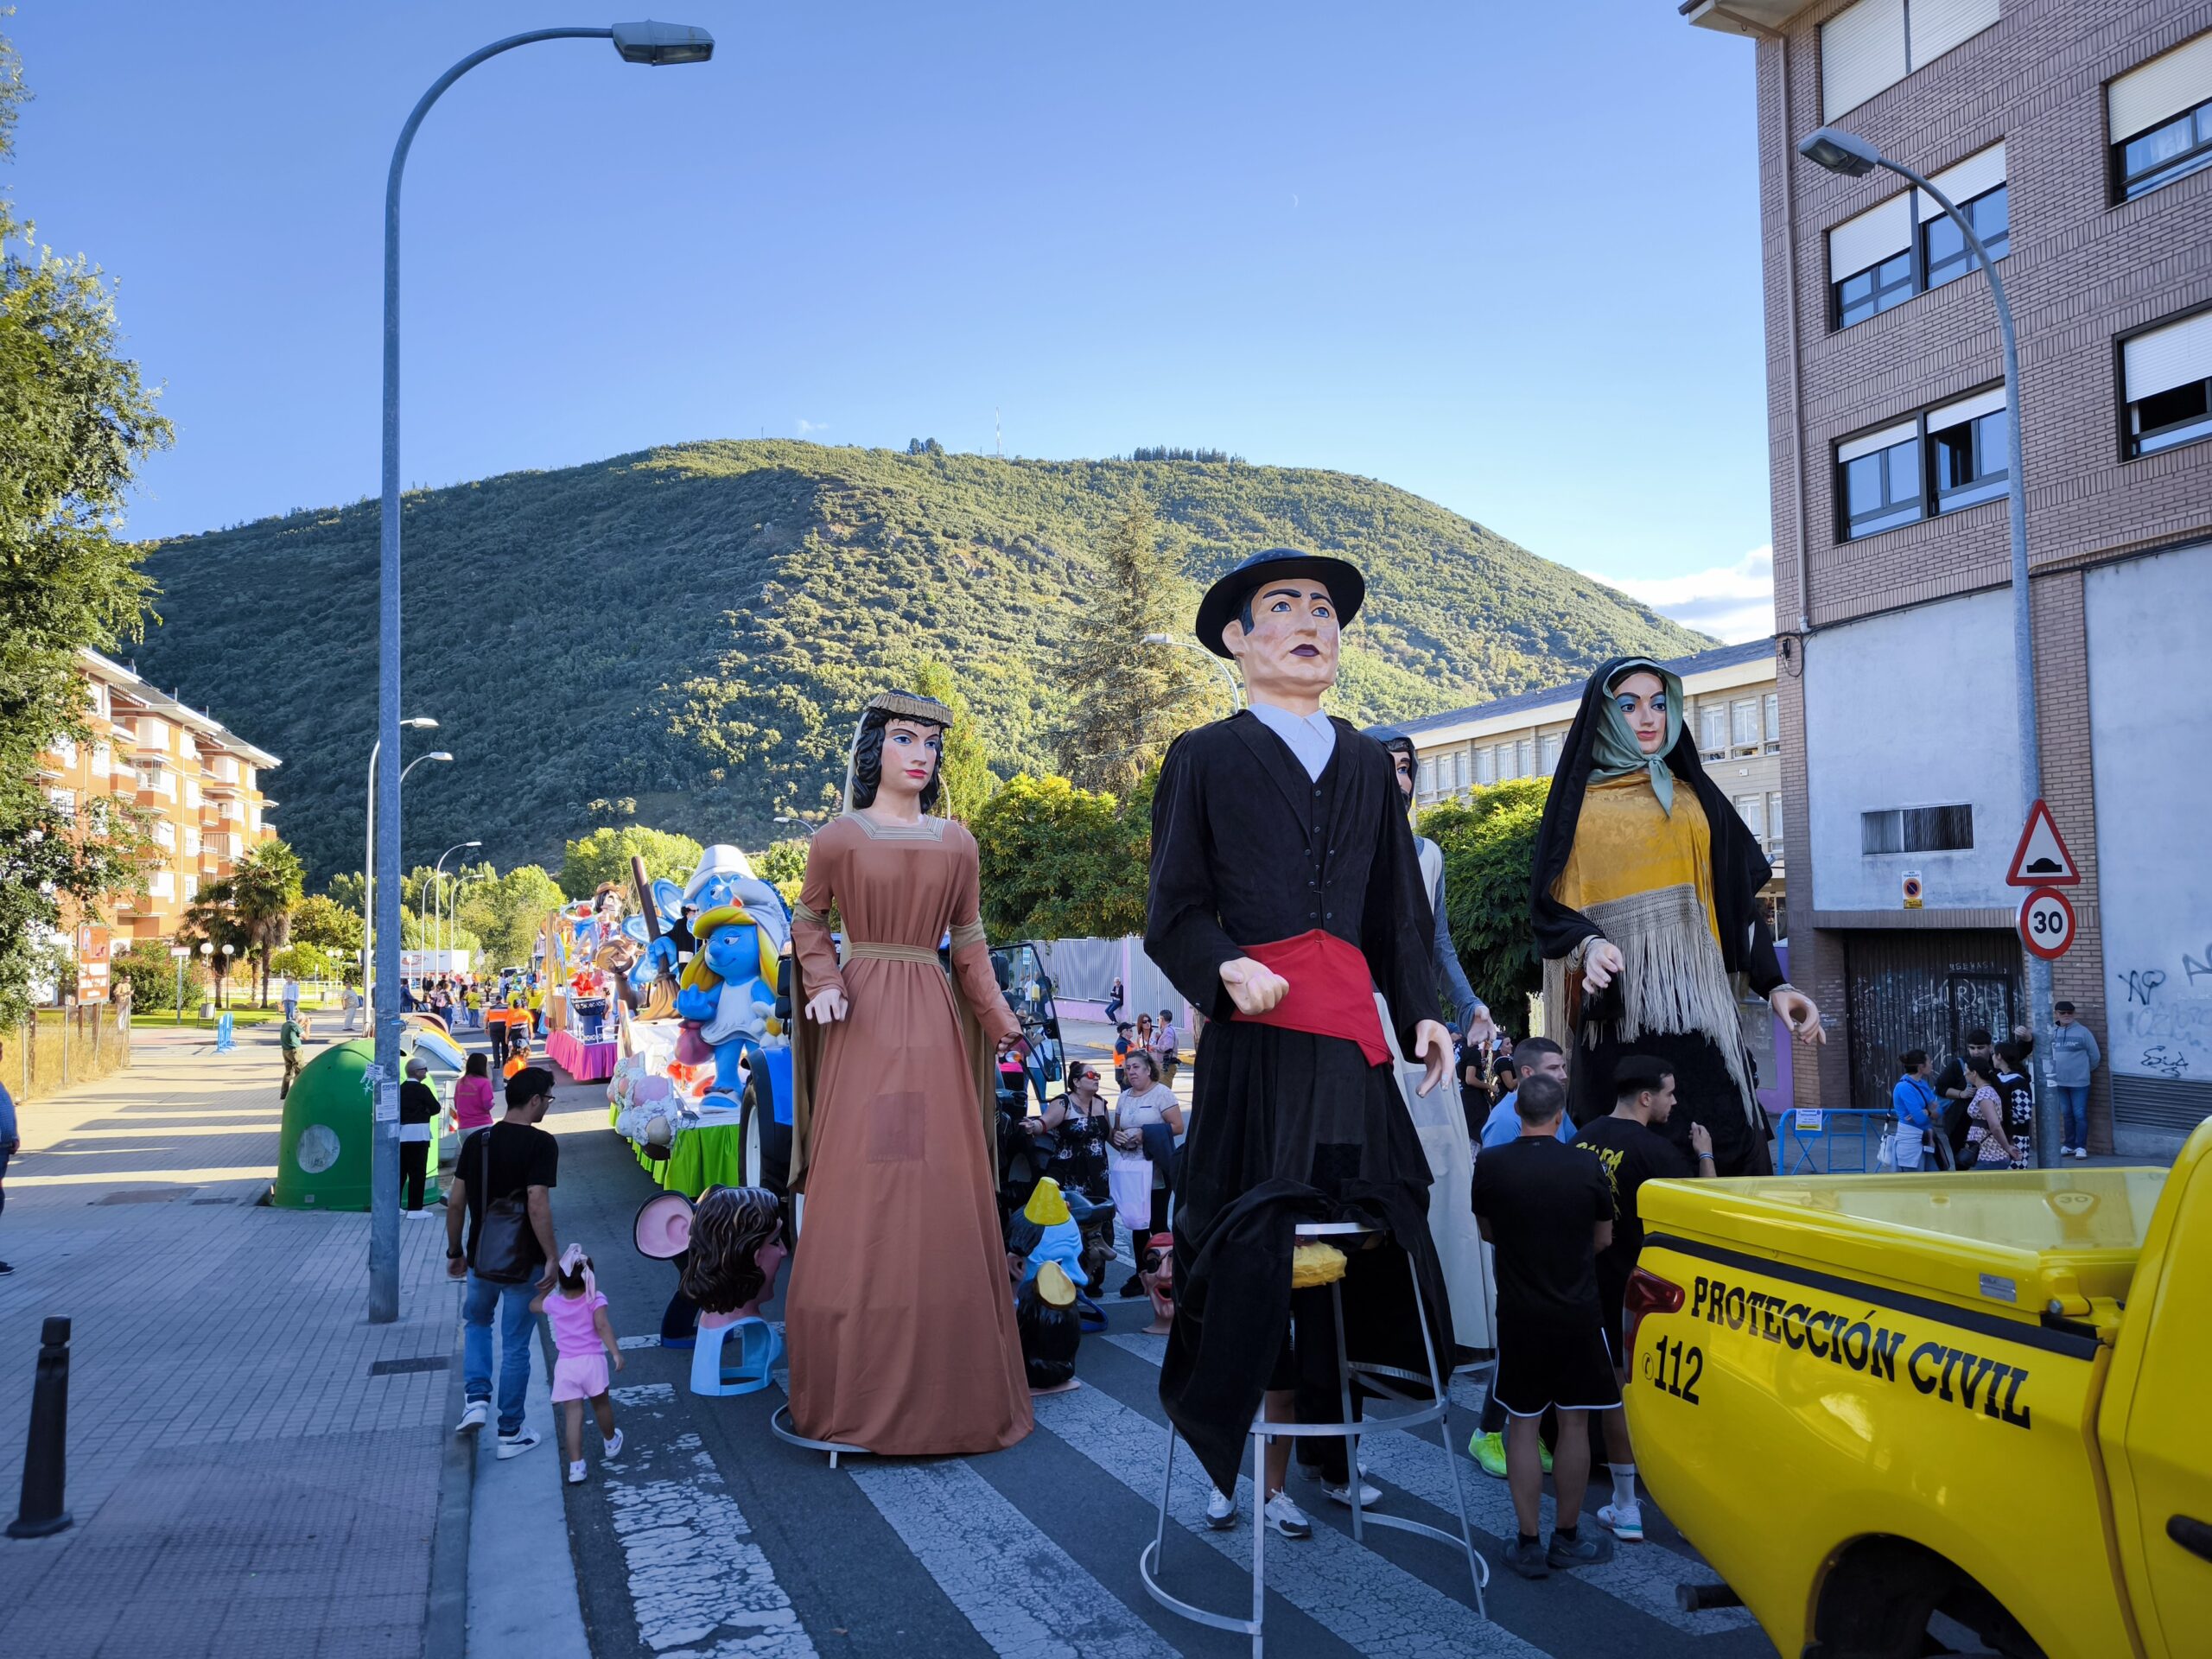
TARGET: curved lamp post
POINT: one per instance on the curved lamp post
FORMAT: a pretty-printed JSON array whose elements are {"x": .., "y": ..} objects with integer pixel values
[
  {"x": 1228, "y": 679},
  {"x": 438, "y": 888},
  {"x": 1850, "y": 154},
  {"x": 646, "y": 43},
  {"x": 416, "y": 723}
]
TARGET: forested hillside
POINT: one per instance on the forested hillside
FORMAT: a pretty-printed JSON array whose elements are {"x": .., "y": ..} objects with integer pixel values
[{"x": 682, "y": 636}]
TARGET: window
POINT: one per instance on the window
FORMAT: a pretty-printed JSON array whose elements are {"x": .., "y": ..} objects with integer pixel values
[
  {"x": 1908, "y": 245},
  {"x": 65, "y": 801},
  {"x": 1712, "y": 731},
  {"x": 1916, "y": 829},
  {"x": 103, "y": 759},
  {"x": 1771, "y": 710},
  {"x": 1881, "y": 481},
  {"x": 186, "y": 747},
  {"x": 1743, "y": 726},
  {"x": 2159, "y": 119},
  {"x": 192, "y": 841},
  {"x": 1774, "y": 823},
  {"x": 165, "y": 835},
  {"x": 1547, "y": 755},
  {"x": 162, "y": 885},
  {"x": 152, "y": 734},
  {"x": 1524, "y": 758},
  {"x": 1425, "y": 777},
  {"x": 191, "y": 889},
  {"x": 1486, "y": 767},
  {"x": 1751, "y": 809},
  {"x": 1967, "y": 451},
  {"x": 191, "y": 792},
  {"x": 2167, "y": 373},
  {"x": 1947, "y": 459},
  {"x": 1877, "y": 43},
  {"x": 65, "y": 750}
]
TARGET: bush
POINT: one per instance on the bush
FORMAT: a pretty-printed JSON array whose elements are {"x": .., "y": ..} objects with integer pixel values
[
  {"x": 152, "y": 973},
  {"x": 304, "y": 961},
  {"x": 1059, "y": 862}
]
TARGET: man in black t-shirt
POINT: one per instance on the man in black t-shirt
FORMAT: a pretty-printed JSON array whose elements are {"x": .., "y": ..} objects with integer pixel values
[
  {"x": 512, "y": 1159},
  {"x": 1548, "y": 1210},
  {"x": 1630, "y": 1151}
]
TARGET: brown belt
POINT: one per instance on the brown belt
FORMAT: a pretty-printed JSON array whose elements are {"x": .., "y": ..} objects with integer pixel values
[{"x": 857, "y": 949}]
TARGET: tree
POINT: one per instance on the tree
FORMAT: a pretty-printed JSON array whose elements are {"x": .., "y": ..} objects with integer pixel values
[
  {"x": 1128, "y": 700},
  {"x": 75, "y": 418},
  {"x": 297, "y": 961},
  {"x": 1060, "y": 862},
  {"x": 604, "y": 855},
  {"x": 152, "y": 973},
  {"x": 1489, "y": 843},
  {"x": 783, "y": 866},
  {"x": 212, "y": 918},
  {"x": 320, "y": 921},
  {"x": 962, "y": 763},
  {"x": 505, "y": 913},
  {"x": 263, "y": 888}
]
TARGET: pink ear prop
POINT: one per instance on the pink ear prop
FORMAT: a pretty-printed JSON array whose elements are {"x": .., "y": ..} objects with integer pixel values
[{"x": 664, "y": 1226}]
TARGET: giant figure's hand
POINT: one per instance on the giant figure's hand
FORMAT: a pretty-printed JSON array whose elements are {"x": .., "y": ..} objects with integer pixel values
[
  {"x": 1433, "y": 1047},
  {"x": 1798, "y": 1012},
  {"x": 1601, "y": 960},
  {"x": 826, "y": 1006},
  {"x": 1254, "y": 987},
  {"x": 659, "y": 957}
]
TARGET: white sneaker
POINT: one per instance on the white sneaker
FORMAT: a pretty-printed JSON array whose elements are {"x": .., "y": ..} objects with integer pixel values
[
  {"x": 576, "y": 1472},
  {"x": 2080, "y": 1152},
  {"x": 1368, "y": 1495},
  {"x": 513, "y": 1445},
  {"x": 1286, "y": 1518},
  {"x": 614, "y": 1448},
  {"x": 1624, "y": 1520},
  {"x": 472, "y": 1416},
  {"x": 1221, "y": 1510}
]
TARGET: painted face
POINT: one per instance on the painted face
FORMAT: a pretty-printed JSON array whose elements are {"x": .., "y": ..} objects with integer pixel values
[
  {"x": 734, "y": 953},
  {"x": 1641, "y": 698},
  {"x": 1291, "y": 646},
  {"x": 910, "y": 756}
]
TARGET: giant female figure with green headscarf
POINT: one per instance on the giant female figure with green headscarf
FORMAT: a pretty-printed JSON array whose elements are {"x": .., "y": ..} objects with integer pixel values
[{"x": 1645, "y": 906}]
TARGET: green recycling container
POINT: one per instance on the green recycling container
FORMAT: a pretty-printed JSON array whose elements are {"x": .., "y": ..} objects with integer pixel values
[{"x": 322, "y": 1153}]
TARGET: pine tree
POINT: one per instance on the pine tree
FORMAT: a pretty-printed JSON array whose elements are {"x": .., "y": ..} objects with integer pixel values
[
  {"x": 1128, "y": 700},
  {"x": 963, "y": 762}
]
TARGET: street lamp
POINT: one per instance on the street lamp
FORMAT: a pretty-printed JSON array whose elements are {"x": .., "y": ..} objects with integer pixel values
[
  {"x": 804, "y": 828},
  {"x": 229, "y": 951},
  {"x": 453, "y": 903},
  {"x": 1853, "y": 156},
  {"x": 438, "y": 887},
  {"x": 416, "y": 723},
  {"x": 648, "y": 43},
  {"x": 1227, "y": 679}
]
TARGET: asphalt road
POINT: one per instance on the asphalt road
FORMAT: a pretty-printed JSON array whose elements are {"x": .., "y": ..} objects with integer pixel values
[{"x": 709, "y": 1537}]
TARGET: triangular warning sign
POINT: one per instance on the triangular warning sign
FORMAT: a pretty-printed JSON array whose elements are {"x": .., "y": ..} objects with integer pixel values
[{"x": 2041, "y": 860}]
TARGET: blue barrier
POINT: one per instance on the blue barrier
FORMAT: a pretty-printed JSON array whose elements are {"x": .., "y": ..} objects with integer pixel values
[
  {"x": 225, "y": 1040},
  {"x": 1841, "y": 1140}
]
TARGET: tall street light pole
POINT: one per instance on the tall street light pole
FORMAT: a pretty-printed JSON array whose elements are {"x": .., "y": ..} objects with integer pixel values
[
  {"x": 438, "y": 888},
  {"x": 646, "y": 43},
  {"x": 1851, "y": 156},
  {"x": 1228, "y": 680}
]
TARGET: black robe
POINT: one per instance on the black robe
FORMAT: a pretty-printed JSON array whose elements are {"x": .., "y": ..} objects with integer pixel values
[{"x": 1247, "y": 850}]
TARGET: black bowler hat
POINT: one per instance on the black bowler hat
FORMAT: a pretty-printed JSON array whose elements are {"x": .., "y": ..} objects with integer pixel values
[{"x": 1226, "y": 597}]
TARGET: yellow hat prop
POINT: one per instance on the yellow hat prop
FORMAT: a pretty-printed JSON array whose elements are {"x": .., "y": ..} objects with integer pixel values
[
  {"x": 1046, "y": 1207},
  {"x": 1054, "y": 1285}
]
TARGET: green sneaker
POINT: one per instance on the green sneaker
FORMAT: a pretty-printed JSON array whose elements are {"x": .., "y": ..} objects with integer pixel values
[
  {"x": 1489, "y": 1452},
  {"x": 1545, "y": 1452}
]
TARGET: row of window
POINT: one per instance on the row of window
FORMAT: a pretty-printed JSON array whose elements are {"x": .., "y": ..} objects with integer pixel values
[
  {"x": 1725, "y": 730},
  {"x": 1761, "y": 815},
  {"x": 1747, "y": 726}
]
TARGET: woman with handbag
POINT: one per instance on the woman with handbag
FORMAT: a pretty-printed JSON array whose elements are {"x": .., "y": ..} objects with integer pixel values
[{"x": 504, "y": 1176}]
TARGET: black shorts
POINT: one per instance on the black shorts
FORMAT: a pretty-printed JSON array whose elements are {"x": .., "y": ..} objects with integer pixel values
[{"x": 1541, "y": 1365}]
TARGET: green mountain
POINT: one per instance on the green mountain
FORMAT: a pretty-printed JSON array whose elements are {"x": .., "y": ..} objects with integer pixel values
[{"x": 684, "y": 634}]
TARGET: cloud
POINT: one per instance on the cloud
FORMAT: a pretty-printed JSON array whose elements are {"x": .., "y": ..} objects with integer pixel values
[
  {"x": 1734, "y": 602},
  {"x": 806, "y": 426}
]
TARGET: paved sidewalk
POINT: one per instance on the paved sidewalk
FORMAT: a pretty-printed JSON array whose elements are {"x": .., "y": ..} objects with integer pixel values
[{"x": 244, "y": 1479}]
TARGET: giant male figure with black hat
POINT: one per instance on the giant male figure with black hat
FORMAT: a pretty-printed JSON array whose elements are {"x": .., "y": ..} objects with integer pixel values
[{"x": 1285, "y": 892}]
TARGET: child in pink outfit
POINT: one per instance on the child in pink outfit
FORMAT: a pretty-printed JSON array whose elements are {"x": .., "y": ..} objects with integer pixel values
[{"x": 583, "y": 1342}]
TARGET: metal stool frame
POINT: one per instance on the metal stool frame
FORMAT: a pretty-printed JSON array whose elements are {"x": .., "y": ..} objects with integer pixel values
[
  {"x": 780, "y": 1425},
  {"x": 1419, "y": 1414}
]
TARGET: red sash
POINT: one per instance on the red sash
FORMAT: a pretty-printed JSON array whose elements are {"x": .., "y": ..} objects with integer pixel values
[{"x": 1332, "y": 993}]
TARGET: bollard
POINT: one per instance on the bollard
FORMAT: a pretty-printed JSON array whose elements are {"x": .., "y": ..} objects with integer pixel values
[{"x": 46, "y": 1458}]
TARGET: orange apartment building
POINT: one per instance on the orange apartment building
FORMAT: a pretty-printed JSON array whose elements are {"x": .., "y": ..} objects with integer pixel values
[{"x": 199, "y": 781}]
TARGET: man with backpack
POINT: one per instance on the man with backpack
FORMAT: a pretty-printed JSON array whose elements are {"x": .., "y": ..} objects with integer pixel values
[{"x": 503, "y": 1183}]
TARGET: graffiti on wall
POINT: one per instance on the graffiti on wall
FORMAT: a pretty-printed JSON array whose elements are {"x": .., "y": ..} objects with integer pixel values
[{"x": 2162, "y": 1017}]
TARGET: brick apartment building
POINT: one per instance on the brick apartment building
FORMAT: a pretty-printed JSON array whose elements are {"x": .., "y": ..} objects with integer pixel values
[
  {"x": 2078, "y": 136},
  {"x": 200, "y": 782}
]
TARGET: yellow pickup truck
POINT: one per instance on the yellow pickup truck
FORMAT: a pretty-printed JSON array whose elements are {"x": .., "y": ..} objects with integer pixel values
[{"x": 1893, "y": 1410}]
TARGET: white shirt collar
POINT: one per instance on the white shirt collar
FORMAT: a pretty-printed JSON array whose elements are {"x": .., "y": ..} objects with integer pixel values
[{"x": 1311, "y": 737}]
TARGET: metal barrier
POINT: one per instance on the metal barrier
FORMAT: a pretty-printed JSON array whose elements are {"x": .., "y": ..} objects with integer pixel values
[{"x": 1841, "y": 1140}]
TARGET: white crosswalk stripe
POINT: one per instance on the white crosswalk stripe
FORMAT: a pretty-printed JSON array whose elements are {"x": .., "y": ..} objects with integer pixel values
[{"x": 1643, "y": 1575}]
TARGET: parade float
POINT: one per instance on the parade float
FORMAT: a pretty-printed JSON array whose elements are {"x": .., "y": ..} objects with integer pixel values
[{"x": 700, "y": 1078}]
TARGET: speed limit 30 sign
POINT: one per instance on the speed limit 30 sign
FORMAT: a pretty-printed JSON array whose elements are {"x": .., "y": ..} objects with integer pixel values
[{"x": 2047, "y": 922}]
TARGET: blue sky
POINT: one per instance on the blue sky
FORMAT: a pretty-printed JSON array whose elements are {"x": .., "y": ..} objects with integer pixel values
[{"x": 1396, "y": 241}]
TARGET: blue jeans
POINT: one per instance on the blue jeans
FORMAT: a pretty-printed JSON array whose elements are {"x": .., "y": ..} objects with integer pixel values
[
  {"x": 517, "y": 1325},
  {"x": 2074, "y": 1102}
]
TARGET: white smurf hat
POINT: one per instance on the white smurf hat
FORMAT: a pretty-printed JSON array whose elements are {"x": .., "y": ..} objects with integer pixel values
[{"x": 717, "y": 859}]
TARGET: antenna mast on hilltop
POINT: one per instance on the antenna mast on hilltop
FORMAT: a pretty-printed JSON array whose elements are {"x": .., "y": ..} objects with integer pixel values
[{"x": 998, "y": 435}]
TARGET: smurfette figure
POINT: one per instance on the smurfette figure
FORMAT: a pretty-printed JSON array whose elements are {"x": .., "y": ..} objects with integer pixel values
[{"x": 727, "y": 1003}]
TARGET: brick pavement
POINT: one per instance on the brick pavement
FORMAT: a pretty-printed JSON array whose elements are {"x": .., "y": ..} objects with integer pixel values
[{"x": 239, "y": 1478}]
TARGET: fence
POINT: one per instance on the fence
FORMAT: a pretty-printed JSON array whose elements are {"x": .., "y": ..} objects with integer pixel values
[
  {"x": 1839, "y": 1140},
  {"x": 60, "y": 1046}
]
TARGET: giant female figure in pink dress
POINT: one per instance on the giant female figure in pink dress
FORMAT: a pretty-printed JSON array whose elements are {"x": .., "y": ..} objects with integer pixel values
[{"x": 900, "y": 1316}]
